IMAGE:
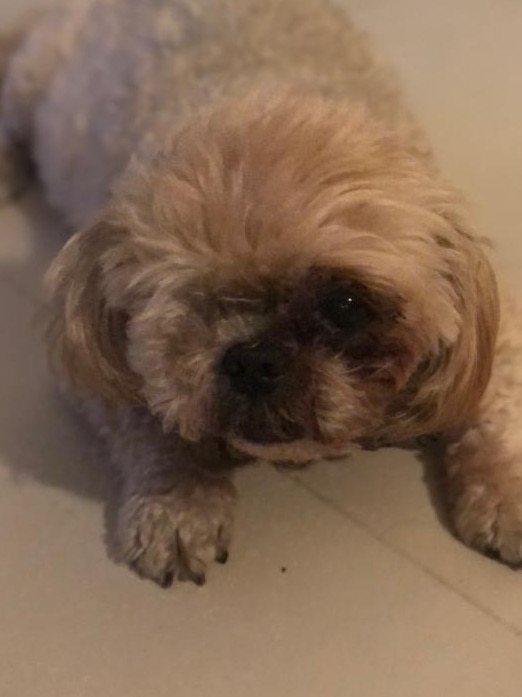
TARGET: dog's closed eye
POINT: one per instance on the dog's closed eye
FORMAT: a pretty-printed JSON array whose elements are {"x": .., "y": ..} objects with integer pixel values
[
  {"x": 254, "y": 304},
  {"x": 239, "y": 302}
]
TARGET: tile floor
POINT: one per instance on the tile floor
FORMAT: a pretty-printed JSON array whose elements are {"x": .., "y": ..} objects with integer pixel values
[{"x": 378, "y": 600}]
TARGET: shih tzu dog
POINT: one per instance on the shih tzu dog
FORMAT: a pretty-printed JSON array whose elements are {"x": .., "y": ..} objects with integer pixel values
[{"x": 268, "y": 263}]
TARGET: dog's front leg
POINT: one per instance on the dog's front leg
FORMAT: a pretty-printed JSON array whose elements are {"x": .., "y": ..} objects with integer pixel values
[
  {"x": 484, "y": 462},
  {"x": 484, "y": 480},
  {"x": 175, "y": 508}
]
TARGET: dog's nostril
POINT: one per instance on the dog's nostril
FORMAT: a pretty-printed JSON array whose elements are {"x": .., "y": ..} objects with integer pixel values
[
  {"x": 234, "y": 368},
  {"x": 253, "y": 369},
  {"x": 268, "y": 371}
]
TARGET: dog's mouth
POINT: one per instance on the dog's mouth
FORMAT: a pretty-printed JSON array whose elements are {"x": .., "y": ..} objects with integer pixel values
[
  {"x": 268, "y": 437},
  {"x": 269, "y": 441},
  {"x": 262, "y": 426},
  {"x": 296, "y": 453}
]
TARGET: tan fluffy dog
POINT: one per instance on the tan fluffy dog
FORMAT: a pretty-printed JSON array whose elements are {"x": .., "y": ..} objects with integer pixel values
[{"x": 268, "y": 265}]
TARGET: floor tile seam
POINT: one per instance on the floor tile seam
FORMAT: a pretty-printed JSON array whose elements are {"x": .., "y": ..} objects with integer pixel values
[{"x": 510, "y": 627}]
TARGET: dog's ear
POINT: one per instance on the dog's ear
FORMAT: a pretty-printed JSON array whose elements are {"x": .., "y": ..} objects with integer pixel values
[
  {"x": 471, "y": 359},
  {"x": 455, "y": 380},
  {"x": 86, "y": 329}
]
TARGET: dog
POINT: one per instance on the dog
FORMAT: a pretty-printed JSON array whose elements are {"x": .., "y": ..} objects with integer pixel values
[{"x": 268, "y": 265}]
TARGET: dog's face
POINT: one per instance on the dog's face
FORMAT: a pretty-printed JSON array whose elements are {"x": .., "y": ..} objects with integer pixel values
[{"x": 284, "y": 275}]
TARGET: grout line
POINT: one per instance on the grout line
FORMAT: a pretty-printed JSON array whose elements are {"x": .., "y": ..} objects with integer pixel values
[{"x": 439, "y": 579}]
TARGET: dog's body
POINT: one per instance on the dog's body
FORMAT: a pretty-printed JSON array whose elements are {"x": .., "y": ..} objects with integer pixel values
[
  {"x": 142, "y": 71},
  {"x": 265, "y": 269}
]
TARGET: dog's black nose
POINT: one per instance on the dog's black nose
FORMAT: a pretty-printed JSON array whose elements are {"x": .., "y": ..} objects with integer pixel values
[{"x": 253, "y": 370}]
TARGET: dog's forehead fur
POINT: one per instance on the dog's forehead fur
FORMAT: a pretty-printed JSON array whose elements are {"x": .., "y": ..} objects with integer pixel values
[
  {"x": 264, "y": 171},
  {"x": 249, "y": 199}
]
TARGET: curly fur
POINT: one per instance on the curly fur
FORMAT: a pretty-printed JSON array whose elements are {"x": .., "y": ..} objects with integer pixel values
[{"x": 228, "y": 164}]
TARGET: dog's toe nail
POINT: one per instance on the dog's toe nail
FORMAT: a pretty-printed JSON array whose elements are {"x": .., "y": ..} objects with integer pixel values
[
  {"x": 491, "y": 553},
  {"x": 222, "y": 556},
  {"x": 166, "y": 580},
  {"x": 199, "y": 579}
]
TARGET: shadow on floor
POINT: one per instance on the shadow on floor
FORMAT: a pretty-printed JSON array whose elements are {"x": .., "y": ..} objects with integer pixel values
[
  {"x": 431, "y": 457},
  {"x": 41, "y": 438}
]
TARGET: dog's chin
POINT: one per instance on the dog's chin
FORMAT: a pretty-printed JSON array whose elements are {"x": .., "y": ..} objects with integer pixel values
[{"x": 296, "y": 453}]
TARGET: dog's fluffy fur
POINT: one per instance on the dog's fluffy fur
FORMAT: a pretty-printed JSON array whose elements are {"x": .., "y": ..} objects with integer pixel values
[{"x": 236, "y": 168}]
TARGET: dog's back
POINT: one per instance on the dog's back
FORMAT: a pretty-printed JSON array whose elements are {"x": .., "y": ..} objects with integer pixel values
[
  {"x": 9, "y": 42},
  {"x": 100, "y": 77}
]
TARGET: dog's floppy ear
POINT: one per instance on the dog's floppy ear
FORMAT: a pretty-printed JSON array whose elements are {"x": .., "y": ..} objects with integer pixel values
[
  {"x": 86, "y": 329},
  {"x": 471, "y": 360},
  {"x": 449, "y": 394}
]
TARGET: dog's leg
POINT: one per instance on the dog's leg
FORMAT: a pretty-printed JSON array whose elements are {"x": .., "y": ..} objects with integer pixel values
[
  {"x": 30, "y": 54},
  {"x": 484, "y": 477},
  {"x": 175, "y": 510},
  {"x": 484, "y": 466},
  {"x": 15, "y": 169}
]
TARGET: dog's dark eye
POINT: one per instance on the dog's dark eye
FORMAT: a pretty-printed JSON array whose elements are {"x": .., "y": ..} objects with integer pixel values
[{"x": 344, "y": 308}]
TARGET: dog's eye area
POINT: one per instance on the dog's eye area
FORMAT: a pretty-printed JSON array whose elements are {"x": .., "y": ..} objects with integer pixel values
[{"x": 344, "y": 308}]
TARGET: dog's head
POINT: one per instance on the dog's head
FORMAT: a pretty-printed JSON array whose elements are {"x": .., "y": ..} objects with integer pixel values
[{"x": 285, "y": 275}]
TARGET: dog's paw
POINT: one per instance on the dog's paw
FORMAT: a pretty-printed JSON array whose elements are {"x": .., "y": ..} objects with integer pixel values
[
  {"x": 490, "y": 522},
  {"x": 175, "y": 536},
  {"x": 484, "y": 480}
]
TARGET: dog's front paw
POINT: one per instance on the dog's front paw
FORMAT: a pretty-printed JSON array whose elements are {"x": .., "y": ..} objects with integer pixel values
[
  {"x": 176, "y": 535},
  {"x": 490, "y": 523},
  {"x": 486, "y": 502}
]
